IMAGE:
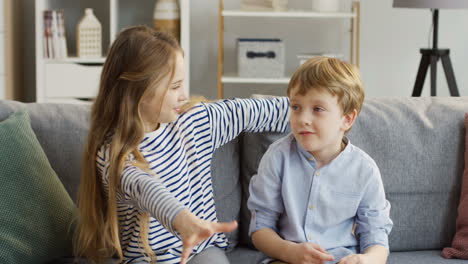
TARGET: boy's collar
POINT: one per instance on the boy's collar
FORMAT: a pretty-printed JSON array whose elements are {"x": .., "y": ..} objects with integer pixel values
[{"x": 310, "y": 157}]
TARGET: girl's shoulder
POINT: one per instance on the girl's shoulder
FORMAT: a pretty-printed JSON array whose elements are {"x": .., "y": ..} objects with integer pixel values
[
  {"x": 195, "y": 112},
  {"x": 193, "y": 119}
]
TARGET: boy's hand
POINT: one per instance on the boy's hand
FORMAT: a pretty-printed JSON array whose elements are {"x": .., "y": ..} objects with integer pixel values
[
  {"x": 309, "y": 253},
  {"x": 194, "y": 230},
  {"x": 354, "y": 259}
]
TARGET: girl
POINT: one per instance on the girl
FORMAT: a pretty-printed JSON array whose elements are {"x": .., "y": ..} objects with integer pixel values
[{"x": 146, "y": 191}]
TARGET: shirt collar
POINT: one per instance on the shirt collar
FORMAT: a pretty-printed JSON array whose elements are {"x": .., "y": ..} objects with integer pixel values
[{"x": 311, "y": 158}]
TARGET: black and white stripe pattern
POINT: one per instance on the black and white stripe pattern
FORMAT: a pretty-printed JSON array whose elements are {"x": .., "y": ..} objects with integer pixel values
[{"x": 179, "y": 155}]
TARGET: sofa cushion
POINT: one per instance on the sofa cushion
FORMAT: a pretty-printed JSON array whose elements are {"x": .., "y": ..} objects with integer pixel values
[
  {"x": 245, "y": 255},
  {"x": 36, "y": 223},
  {"x": 61, "y": 130},
  {"x": 459, "y": 247},
  {"x": 226, "y": 186},
  {"x": 421, "y": 257},
  {"x": 418, "y": 144},
  {"x": 254, "y": 146}
]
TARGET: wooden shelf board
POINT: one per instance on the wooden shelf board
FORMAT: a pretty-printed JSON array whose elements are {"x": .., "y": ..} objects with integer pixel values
[{"x": 286, "y": 14}]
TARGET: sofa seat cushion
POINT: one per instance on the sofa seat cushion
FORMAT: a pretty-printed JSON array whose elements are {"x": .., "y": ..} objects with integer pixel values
[
  {"x": 36, "y": 223},
  {"x": 244, "y": 255},
  {"x": 421, "y": 257}
]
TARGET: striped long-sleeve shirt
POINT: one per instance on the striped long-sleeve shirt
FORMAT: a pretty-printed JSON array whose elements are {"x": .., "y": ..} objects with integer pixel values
[{"x": 179, "y": 155}]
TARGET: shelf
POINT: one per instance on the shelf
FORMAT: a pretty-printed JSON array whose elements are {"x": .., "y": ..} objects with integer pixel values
[
  {"x": 56, "y": 78},
  {"x": 236, "y": 79},
  {"x": 77, "y": 60},
  {"x": 226, "y": 14},
  {"x": 287, "y": 14}
]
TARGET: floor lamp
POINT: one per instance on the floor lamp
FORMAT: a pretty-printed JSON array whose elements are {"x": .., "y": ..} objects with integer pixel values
[{"x": 432, "y": 55}]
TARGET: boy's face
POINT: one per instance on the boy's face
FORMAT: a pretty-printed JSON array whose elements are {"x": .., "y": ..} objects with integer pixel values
[{"x": 317, "y": 121}]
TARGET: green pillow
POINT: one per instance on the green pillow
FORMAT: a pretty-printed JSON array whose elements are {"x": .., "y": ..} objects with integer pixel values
[{"x": 36, "y": 212}]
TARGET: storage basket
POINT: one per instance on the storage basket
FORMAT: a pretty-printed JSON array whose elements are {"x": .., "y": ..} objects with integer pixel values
[{"x": 261, "y": 58}]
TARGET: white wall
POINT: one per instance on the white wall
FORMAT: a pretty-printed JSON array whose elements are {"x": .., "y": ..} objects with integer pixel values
[{"x": 390, "y": 43}]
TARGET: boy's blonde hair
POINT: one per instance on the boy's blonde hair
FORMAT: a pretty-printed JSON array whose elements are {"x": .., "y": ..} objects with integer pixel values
[{"x": 339, "y": 78}]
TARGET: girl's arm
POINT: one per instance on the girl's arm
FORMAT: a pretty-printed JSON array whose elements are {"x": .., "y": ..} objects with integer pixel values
[
  {"x": 152, "y": 196},
  {"x": 149, "y": 194},
  {"x": 228, "y": 118},
  {"x": 194, "y": 230}
]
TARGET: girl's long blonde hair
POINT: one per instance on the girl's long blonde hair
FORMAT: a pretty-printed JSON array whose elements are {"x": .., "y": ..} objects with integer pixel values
[{"x": 138, "y": 60}]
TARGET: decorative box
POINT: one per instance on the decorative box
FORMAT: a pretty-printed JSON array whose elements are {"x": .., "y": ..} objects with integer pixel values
[{"x": 260, "y": 58}]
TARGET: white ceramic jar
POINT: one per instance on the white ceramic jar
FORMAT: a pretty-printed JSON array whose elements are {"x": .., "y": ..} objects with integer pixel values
[{"x": 89, "y": 35}]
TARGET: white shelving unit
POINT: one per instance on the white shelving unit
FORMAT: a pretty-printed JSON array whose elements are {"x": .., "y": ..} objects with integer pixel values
[
  {"x": 288, "y": 14},
  {"x": 2, "y": 50},
  {"x": 223, "y": 78},
  {"x": 72, "y": 79}
]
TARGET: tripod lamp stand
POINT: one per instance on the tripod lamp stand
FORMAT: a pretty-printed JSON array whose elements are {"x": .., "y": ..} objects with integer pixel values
[{"x": 431, "y": 56}]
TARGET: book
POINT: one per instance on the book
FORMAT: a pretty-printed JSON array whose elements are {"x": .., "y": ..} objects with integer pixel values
[{"x": 55, "y": 44}]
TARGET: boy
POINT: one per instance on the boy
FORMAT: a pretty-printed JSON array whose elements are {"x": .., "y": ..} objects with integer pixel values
[{"x": 317, "y": 198}]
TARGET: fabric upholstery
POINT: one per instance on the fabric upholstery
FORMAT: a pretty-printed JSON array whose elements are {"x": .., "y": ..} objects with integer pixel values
[
  {"x": 245, "y": 255},
  {"x": 459, "y": 248},
  {"x": 416, "y": 144},
  {"x": 61, "y": 130},
  {"x": 421, "y": 257},
  {"x": 37, "y": 214},
  {"x": 226, "y": 186}
]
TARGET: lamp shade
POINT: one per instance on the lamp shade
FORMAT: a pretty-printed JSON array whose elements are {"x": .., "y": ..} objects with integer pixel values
[{"x": 437, "y": 4}]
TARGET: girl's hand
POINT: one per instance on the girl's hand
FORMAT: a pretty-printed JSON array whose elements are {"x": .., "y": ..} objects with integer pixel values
[
  {"x": 354, "y": 259},
  {"x": 194, "y": 230},
  {"x": 309, "y": 253}
]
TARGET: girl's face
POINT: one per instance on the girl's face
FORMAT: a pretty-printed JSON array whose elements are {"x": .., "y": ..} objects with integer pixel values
[
  {"x": 169, "y": 99},
  {"x": 317, "y": 122}
]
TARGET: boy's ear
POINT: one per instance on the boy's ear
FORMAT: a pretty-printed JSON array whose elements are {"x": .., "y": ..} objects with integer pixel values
[{"x": 348, "y": 119}]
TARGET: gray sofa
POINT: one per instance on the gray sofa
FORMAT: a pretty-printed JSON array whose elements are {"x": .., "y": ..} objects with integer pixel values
[{"x": 418, "y": 144}]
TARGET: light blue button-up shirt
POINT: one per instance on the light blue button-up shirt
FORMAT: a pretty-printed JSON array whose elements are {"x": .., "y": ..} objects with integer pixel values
[{"x": 305, "y": 204}]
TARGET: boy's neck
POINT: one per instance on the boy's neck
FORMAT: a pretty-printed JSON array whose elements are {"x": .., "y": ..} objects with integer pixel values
[{"x": 326, "y": 156}]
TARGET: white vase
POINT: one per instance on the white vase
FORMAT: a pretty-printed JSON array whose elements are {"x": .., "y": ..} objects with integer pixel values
[
  {"x": 166, "y": 17},
  {"x": 89, "y": 35},
  {"x": 326, "y": 5}
]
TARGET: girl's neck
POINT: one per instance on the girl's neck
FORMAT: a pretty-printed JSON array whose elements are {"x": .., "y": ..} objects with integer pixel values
[
  {"x": 322, "y": 159},
  {"x": 150, "y": 127}
]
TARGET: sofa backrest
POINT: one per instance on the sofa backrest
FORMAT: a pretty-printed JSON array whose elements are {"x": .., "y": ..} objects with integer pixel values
[
  {"x": 418, "y": 144},
  {"x": 61, "y": 130}
]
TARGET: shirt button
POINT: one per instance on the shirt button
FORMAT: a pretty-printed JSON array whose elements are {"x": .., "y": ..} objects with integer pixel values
[
  {"x": 309, "y": 237},
  {"x": 317, "y": 173},
  {"x": 311, "y": 207}
]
